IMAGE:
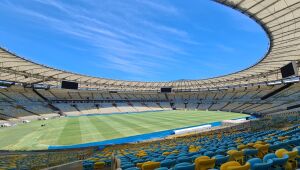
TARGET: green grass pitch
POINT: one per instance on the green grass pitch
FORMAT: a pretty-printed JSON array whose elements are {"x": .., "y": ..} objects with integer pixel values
[{"x": 83, "y": 129}]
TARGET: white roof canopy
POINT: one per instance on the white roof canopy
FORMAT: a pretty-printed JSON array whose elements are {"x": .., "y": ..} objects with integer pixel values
[{"x": 279, "y": 18}]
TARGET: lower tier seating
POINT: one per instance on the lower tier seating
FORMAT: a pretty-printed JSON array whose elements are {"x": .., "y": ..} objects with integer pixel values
[{"x": 238, "y": 149}]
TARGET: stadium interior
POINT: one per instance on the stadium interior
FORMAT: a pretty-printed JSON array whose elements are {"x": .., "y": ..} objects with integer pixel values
[{"x": 251, "y": 118}]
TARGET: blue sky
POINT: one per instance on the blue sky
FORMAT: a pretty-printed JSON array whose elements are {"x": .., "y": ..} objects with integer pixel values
[{"x": 145, "y": 40}]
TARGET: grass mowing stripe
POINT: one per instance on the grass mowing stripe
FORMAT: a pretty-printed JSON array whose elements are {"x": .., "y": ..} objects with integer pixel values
[
  {"x": 29, "y": 140},
  {"x": 88, "y": 131},
  {"x": 71, "y": 133},
  {"x": 55, "y": 128},
  {"x": 169, "y": 122},
  {"x": 153, "y": 121},
  {"x": 132, "y": 125},
  {"x": 104, "y": 128}
]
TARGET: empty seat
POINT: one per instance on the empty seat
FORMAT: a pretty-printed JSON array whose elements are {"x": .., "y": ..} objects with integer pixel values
[
  {"x": 204, "y": 162},
  {"x": 184, "y": 166}
]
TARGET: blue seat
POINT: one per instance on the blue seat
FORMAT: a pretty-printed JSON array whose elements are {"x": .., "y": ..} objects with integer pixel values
[
  {"x": 220, "y": 159},
  {"x": 184, "y": 159},
  {"x": 220, "y": 152},
  {"x": 184, "y": 166},
  {"x": 157, "y": 159},
  {"x": 195, "y": 156},
  {"x": 88, "y": 165},
  {"x": 250, "y": 153},
  {"x": 127, "y": 165},
  {"x": 258, "y": 164},
  {"x": 171, "y": 157},
  {"x": 278, "y": 163},
  {"x": 133, "y": 168},
  {"x": 168, "y": 163},
  {"x": 161, "y": 168},
  {"x": 277, "y": 145},
  {"x": 209, "y": 153}
]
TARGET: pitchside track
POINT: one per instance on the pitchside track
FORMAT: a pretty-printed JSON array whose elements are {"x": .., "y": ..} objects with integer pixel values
[{"x": 83, "y": 129}]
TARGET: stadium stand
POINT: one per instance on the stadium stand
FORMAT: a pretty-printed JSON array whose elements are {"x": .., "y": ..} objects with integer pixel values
[
  {"x": 18, "y": 102},
  {"x": 258, "y": 148},
  {"x": 31, "y": 91}
]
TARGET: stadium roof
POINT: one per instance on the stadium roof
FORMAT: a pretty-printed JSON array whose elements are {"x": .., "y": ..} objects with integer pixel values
[{"x": 279, "y": 18}]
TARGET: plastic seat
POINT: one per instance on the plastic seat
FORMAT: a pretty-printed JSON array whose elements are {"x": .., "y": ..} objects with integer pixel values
[
  {"x": 166, "y": 153},
  {"x": 292, "y": 155},
  {"x": 88, "y": 166},
  {"x": 209, "y": 153},
  {"x": 184, "y": 159},
  {"x": 220, "y": 159},
  {"x": 242, "y": 146},
  {"x": 250, "y": 153},
  {"x": 157, "y": 159},
  {"x": 162, "y": 168},
  {"x": 233, "y": 165},
  {"x": 171, "y": 157},
  {"x": 278, "y": 163},
  {"x": 220, "y": 152},
  {"x": 127, "y": 165},
  {"x": 194, "y": 157},
  {"x": 167, "y": 163},
  {"x": 150, "y": 165},
  {"x": 133, "y": 168},
  {"x": 262, "y": 149},
  {"x": 298, "y": 156},
  {"x": 184, "y": 166},
  {"x": 276, "y": 146},
  {"x": 236, "y": 156},
  {"x": 204, "y": 162},
  {"x": 99, "y": 165},
  {"x": 139, "y": 164},
  {"x": 258, "y": 164}
]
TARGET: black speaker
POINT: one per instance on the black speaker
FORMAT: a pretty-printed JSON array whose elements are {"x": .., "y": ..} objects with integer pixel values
[
  {"x": 288, "y": 70},
  {"x": 165, "y": 90},
  {"x": 69, "y": 85}
]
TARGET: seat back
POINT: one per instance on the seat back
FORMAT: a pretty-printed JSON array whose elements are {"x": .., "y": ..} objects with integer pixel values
[
  {"x": 236, "y": 156},
  {"x": 233, "y": 165},
  {"x": 229, "y": 164},
  {"x": 204, "y": 162},
  {"x": 168, "y": 163},
  {"x": 184, "y": 167},
  {"x": 262, "y": 149},
  {"x": 220, "y": 159},
  {"x": 150, "y": 165}
]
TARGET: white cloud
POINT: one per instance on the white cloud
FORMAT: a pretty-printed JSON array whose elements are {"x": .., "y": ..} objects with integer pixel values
[{"x": 114, "y": 28}]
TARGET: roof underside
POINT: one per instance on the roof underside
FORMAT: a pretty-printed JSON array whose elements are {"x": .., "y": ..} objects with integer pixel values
[{"x": 279, "y": 18}]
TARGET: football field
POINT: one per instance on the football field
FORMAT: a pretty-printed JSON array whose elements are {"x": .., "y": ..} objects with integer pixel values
[{"x": 84, "y": 129}]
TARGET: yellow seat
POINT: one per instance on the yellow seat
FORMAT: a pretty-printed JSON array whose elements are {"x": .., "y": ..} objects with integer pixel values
[
  {"x": 150, "y": 165},
  {"x": 139, "y": 165},
  {"x": 99, "y": 165},
  {"x": 204, "y": 162},
  {"x": 283, "y": 137},
  {"x": 251, "y": 145},
  {"x": 260, "y": 142},
  {"x": 166, "y": 153},
  {"x": 233, "y": 165},
  {"x": 175, "y": 151},
  {"x": 242, "y": 146},
  {"x": 262, "y": 149},
  {"x": 292, "y": 161},
  {"x": 237, "y": 156}
]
